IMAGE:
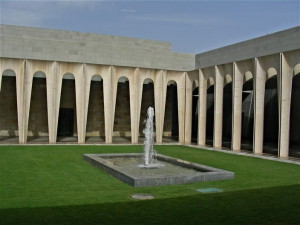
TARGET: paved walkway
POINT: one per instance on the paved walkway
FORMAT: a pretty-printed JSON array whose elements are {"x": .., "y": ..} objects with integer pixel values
[
  {"x": 166, "y": 141},
  {"x": 266, "y": 156}
]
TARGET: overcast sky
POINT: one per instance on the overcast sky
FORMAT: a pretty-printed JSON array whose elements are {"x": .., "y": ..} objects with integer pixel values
[{"x": 191, "y": 26}]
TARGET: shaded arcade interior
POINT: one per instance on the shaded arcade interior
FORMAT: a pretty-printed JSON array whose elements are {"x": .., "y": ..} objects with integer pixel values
[
  {"x": 170, "y": 128},
  {"x": 38, "y": 130}
]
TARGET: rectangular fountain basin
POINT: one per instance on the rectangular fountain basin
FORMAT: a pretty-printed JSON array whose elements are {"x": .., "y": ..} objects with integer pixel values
[{"x": 125, "y": 167}]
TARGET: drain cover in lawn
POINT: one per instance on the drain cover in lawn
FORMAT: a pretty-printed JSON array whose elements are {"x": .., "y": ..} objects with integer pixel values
[
  {"x": 142, "y": 196},
  {"x": 209, "y": 190}
]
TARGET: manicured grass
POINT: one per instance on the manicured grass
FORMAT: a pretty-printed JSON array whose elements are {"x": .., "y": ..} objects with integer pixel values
[{"x": 54, "y": 185}]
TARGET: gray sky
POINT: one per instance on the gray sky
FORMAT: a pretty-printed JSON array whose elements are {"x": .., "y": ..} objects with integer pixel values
[{"x": 191, "y": 26}]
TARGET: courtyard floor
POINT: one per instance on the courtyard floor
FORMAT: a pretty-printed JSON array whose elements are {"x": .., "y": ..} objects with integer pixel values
[{"x": 54, "y": 185}]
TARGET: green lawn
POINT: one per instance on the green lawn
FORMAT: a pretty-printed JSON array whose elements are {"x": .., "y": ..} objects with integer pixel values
[{"x": 54, "y": 185}]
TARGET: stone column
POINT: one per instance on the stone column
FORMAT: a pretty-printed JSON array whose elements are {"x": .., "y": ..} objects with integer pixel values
[
  {"x": 114, "y": 87},
  {"x": 28, "y": 79},
  {"x": 259, "y": 99},
  {"x": 57, "y": 86},
  {"x": 202, "y": 109},
  {"x": 0, "y": 81},
  {"x": 51, "y": 102},
  {"x": 160, "y": 99},
  {"x": 218, "y": 107},
  {"x": 87, "y": 89},
  {"x": 80, "y": 103},
  {"x": 285, "y": 92},
  {"x": 109, "y": 108},
  {"x": 20, "y": 83},
  {"x": 191, "y": 77},
  {"x": 134, "y": 88},
  {"x": 181, "y": 107},
  {"x": 237, "y": 107}
]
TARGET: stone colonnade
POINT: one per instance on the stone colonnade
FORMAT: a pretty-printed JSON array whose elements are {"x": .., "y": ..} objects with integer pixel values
[
  {"x": 282, "y": 65},
  {"x": 25, "y": 69}
]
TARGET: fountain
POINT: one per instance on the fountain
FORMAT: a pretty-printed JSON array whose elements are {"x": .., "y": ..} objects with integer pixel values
[
  {"x": 152, "y": 169},
  {"x": 150, "y": 154}
]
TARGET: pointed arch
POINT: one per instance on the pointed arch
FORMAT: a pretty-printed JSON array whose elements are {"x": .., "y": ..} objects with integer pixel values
[
  {"x": 227, "y": 112},
  {"x": 210, "y": 106},
  {"x": 147, "y": 101},
  {"x": 8, "y": 107},
  {"x": 95, "y": 128},
  {"x": 122, "y": 121},
  {"x": 170, "y": 128},
  {"x": 38, "y": 114},
  {"x": 247, "y": 112},
  {"x": 195, "y": 111},
  {"x": 295, "y": 114},
  {"x": 271, "y": 114},
  {"x": 67, "y": 123}
]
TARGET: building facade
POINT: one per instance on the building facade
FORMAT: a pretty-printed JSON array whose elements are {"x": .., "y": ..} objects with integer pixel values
[{"x": 57, "y": 84}]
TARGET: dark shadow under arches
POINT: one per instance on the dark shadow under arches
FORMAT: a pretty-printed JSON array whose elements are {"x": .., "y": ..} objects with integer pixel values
[
  {"x": 227, "y": 116},
  {"x": 9, "y": 130},
  {"x": 38, "y": 114},
  {"x": 247, "y": 116},
  {"x": 210, "y": 118},
  {"x": 271, "y": 117},
  {"x": 295, "y": 118},
  {"x": 147, "y": 101},
  {"x": 122, "y": 121},
  {"x": 195, "y": 108},
  {"x": 95, "y": 127},
  {"x": 170, "y": 128},
  {"x": 67, "y": 122}
]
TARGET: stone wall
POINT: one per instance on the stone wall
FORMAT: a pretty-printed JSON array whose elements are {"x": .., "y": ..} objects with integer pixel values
[
  {"x": 286, "y": 40},
  {"x": 68, "y": 46}
]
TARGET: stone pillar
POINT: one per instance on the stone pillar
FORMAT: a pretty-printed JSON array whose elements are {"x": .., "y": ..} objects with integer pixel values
[
  {"x": 58, "y": 84},
  {"x": 181, "y": 107},
  {"x": 160, "y": 99},
  {"x": 202, "y": 109},
  {"x": 285, "y": 92},
  {"x": 28, "y": 79},
  {"x": 114, "y": 87},
  {"x": 81, "y": 106},
  {"x": 87, "y": 90},
  {"x": 135, "y": 100},
  {"x": 20, "y": 83},
  {"x": 109, "y": 108},
  {"x": 141, "y": 76},
  {"x": 259, "y": 99},
  {"x": 52, "y": 91},
  {"x": 237, "y": 107},
  {"x": 218, "y": 107},
  {"x": 191, "y": 77},
  {"x": 188, "y": 109}
]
